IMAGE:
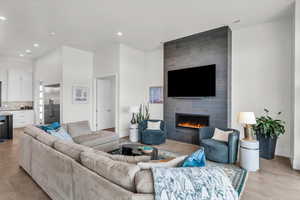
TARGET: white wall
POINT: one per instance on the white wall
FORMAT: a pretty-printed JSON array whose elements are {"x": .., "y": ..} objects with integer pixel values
[
  {"x": 261, "y": 73},
  {"x": 154, "y": 77},
  {"x": 107, "y": 60},
  {"x": 135, "y": 71},
  {"x": 107, "y": 64},
  {"x": 48, "y": 68},
  {"x": 295, "y": 137},
  {"x": 132, "y": 79},
  {"x": 69, "y": 67},
  {"x": 77, "y": 71},
  {"x": 15, "y": 63}
]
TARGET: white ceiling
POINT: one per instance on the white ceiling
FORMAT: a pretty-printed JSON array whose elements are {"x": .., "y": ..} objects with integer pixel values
[{"x": 88, "y": 24}]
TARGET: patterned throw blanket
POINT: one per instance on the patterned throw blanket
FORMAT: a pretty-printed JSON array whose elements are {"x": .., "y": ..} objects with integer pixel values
[{"x": 192, "y": 183}]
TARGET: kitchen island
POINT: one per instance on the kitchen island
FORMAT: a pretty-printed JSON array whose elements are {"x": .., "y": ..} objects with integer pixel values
[{"x": 6, "y": 126}]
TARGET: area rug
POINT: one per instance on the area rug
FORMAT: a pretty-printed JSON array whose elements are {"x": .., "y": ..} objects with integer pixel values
[{"x": 237, "y": 175}]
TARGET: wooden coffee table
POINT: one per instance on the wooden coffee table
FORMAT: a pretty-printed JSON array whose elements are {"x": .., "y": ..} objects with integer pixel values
[{"x": 135, "y": 150}]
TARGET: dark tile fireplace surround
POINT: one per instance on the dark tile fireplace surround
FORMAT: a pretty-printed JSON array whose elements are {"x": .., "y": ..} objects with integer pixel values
[{"x": 184, "y": 116}]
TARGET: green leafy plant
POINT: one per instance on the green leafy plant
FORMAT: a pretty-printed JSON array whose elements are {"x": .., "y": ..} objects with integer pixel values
[
  {"x": 269, "y": 127},
  {"x": 142, "y": 115}
]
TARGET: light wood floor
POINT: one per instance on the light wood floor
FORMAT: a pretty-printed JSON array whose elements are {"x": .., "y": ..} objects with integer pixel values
[{"x": 275, "y": 180}]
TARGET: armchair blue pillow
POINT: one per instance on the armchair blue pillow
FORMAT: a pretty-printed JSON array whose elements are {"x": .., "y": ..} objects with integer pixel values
[{"x": 196, "y": 159}]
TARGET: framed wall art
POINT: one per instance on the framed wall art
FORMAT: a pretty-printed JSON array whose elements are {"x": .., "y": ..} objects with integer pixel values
[{"x": 156, "y": 95}]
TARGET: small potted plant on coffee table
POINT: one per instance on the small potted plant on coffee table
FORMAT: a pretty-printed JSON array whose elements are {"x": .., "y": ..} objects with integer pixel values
[{"x": 267, "y": 131}]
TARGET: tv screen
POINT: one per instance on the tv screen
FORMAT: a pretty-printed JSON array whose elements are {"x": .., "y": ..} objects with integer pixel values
[{"x": 192, "y": 82}]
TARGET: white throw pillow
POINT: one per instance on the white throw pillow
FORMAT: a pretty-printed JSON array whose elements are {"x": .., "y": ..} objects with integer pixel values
[
  {"x": 221, "y": 135},
  {"x": 153, "y": 125},
  {"x": 172, "y": 163}
]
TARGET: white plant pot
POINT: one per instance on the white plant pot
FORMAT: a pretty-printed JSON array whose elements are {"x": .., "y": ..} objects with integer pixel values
[
  {"x": 134, "y": 133},
  {"x": 131, "y": 126}
]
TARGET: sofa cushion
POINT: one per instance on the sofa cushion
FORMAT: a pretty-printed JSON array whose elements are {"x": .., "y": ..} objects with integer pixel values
[
  {"x": 108, "y": 147},
  {"x": 47, "y": 139},
  {"x": 70, "y": 148},
  {"x": 96, "y": 138},
  {"x": 88, "y": 185},
  {"x": 144, "y": 182},
  {"x": 79, "y": 128},
  {"x": 120, "y": 173},
  {"x": 33, "y": 131}
]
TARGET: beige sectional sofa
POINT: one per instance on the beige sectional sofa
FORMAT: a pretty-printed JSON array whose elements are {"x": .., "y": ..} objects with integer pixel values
[{"x": 70, "y": 171}]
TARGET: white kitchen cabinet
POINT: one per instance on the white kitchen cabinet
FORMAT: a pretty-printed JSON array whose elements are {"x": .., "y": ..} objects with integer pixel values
[
  {"x": 22, "y": 118},
  {"x": 19, "y": 85},
  {"x": 14, "y": 85},
  {"x": 26, "y": 87}
]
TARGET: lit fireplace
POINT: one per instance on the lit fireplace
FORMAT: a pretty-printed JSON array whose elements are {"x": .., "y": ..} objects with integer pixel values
[{"x": 191, "y": 121}]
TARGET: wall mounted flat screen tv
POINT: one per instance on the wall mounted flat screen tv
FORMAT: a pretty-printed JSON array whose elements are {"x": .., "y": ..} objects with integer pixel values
[{"x": 192, "y": 82}]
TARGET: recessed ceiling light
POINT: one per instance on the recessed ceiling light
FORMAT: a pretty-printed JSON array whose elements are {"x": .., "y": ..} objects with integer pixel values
[
  {"x": 28, "y": 51},
  {"x": 119, "y": 33},
  {"x": 52, "y": 33},
  {"x": 2, "y": 18},
  {"x": 36, "y": 45},
  {"x": 21, "y": 55},
  {"x": 236, "y": 21}
]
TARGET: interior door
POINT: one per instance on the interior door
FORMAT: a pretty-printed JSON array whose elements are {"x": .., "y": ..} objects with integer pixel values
[{"x": 105, "y": 104}]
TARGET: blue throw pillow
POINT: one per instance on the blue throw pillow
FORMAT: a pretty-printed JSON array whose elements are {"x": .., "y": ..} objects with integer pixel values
[
  {"x": 53, "y": 126},
  {"x": 196, "y": 159},
  {"x": 61, "y": 133}
]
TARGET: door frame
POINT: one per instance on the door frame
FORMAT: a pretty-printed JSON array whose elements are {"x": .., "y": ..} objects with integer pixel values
[{"x": 115, "y": 76}]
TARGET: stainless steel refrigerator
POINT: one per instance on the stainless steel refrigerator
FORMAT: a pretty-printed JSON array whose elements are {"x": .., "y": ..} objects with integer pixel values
[{"x": 51, "y": 103}]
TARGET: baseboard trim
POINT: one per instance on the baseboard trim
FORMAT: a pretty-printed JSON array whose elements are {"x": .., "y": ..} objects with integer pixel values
[{"x": 295, "y": 164}]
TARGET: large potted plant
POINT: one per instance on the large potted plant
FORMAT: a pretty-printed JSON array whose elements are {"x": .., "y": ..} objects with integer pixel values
[
  {"x": 139, "y": 114},
  {"x": 267, "y": 131}
]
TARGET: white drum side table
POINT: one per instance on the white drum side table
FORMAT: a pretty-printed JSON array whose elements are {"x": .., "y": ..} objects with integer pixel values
[{"x": 249, "y": 155}]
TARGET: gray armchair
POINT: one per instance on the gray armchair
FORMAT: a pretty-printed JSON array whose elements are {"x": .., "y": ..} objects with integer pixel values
[
  {"x": 223, "y": 152},
  {"x": 152, "y": 137}
]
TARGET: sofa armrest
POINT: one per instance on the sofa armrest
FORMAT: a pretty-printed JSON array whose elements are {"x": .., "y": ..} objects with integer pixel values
[{"x": 233, "y": 145}]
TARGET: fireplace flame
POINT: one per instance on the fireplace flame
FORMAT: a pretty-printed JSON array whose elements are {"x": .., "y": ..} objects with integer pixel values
[{"x": 191, "y": 125}]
